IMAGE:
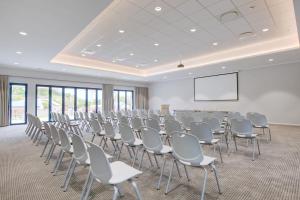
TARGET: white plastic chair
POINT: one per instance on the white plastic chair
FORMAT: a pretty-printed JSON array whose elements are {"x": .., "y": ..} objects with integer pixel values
[
  {"x": 130, "y": 141},
  {"x": 55, "y": 142},
  {"x": 242, "y": 128},
  {"x": 171, "y": 126},
  {"x": 205, "y": 136},
  {"x": 49, "y": 138},
  {"x": 259, "y": 121},
  {"x": 97, "y": 131},
  {"x": 112, "y": 135},
  {"x": 137, "y": 125},
  {"x": 108, "y": 173},
  {"x": 188, "y": 151}
]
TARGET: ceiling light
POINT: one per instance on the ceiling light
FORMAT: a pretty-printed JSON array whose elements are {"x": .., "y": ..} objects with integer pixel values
[
  {"x": 193, "y": 30},
  {"x": 223, "y": 67},
  {"x": 113, "y": 61},
  {"x": 23, "y": 33},
  {"x": 190, "y": 73},
  {"x": 83, "y": 55},
  {"x": 157, "y": 9},
  {"x": 271, "y": 59},
  {"x": 164, "y": 77},
  {"x": 265, "y": 30},
  {"x": 215, "y": 44},
  {"x": 137, "y": 66},
  {"x": 156, "y": 44},
  {"x": 229, "y": 16},
  {"x": 19, "y": 52},
  {"x": 155, "y": 60},
  {"x": 121, "y": 31},
  {"x": 16, "y": 63},
  {"x": 131, "y": 54},
  {"x": 98, "y": 45},
  {"x": 64, "y": 69}
]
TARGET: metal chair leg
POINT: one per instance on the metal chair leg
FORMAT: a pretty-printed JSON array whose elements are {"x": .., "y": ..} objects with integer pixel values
[
  {"x": 87, "y": 186},
  {"x": 170, "y": 175},
  {"x": 186, "y": 173},
  {"x": 258, "y": 146},
  {"x": 136, "y": 189},
  {"x": 220, "y": 152},
  {"x": 116, "y": 193},
  {"x": 270, "y": 137},
  {"x": 69, "y": 174},
  {"x": 57, "y": 160},
  {"x": 141, "y": 161},
  {"x": 135, "y": 156},
  {"x": 179, "y": 174},
  {"x": 119, "y": 154},
  {"x": 44, "y": 149},
  {"x": 149, "y": 159},
  {"x": 253, "y": 154},
  {"x": 156, "y": 161},
  {"x": 204, "y": 184},
  {"x": 161, "y": 173},
  {"x": 217, "y": 177},
  {"x": 234, "y": 139},
  {"x": 59, "y": 163}
]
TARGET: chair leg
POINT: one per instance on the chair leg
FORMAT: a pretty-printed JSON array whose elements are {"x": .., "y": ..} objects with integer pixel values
[
  {"x": 94, "y": 135},
  {"x": 204, "y": 184},
  {"x": 161, "y": 173},
  {"x": 220, "y": 152},
  {"x": 59, "y": 163},
  {"x": 87, "y": 186},
  {"x": 119, "y": 154},
  {"x": 177, "y": 167},
  {"x": 156, "y": 161},
  {"x": 135, "y": 156},
  {"x": 120, "y": 190},
  {"x": 40, "y": 138},
  {"x": 141, "y": 161},
  {"x": 234, "y": 139},
  {"x": 217, "y": 177},
  {"x": 270, "y": 137},
  {"x": 116, "y": 193},
  {"x": 44, "y": 149},
  {"x": 186, "y": 173},
  {"x": 136, "y": 189},
  {"x": 170, "y": 175},
  {"x": 253, "y": 154},
  {"x": 57, "y": 160},
  {"x": 149, "y": 159},
  {"x": 69, "y": 174},
  {"x": 258, "y": 146},
  {"x": 129, "y": 152},
  {"x": 50, "y": 154}
]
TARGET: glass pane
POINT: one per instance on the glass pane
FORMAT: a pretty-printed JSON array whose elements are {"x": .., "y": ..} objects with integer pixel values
[
  {"x": 70, "y": 102},
  {"x": 116, "y": 101},
  {"x": 18, "y": 104},
  {"x": 81, "y": 100},
  {"x": 91, "y": 100},
  {"x": 42, "y": 104},
  {"x": 56, "y": 104},
  {"x": 129, "y": 100},
  {"x": 122, "y": 102},
  {"x": 99, "y": 100}
]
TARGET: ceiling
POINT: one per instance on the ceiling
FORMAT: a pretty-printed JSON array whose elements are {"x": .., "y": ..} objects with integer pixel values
[{"x": 131, "y": 39}]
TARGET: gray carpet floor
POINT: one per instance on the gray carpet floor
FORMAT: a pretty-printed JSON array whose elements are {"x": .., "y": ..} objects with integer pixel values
[{"x": 275, "y": 174}]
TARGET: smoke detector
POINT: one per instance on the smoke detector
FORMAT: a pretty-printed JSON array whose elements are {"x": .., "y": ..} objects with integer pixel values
[{"x": 229, "y": 16}]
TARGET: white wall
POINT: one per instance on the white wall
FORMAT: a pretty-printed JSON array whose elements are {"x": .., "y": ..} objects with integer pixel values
[{"x": 274, "y": 91}]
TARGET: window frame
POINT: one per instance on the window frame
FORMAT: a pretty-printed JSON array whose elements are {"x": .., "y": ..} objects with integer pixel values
[
  {"x": 10, "y": 102},
  {"x": 132, "y": 98},
  {"x": 63, "y": 97}
]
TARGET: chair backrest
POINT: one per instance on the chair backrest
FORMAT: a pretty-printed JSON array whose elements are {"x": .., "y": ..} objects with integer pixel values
[
  {"x": 213, "y": 123},
  {"x": 109, "y": 130},
  {"x": 67, "y": 118},
  {"x": 96, "y": 128},
  {"x": 86, "y": 116},
  {"x": 76, "y": 115},
  {"x": 186, "y": 121},
  {"x": 187, "y": 149},
  {"x": 136, "y": 123},
  {"x": 47, "y": 130},
  {"x": 124, "y": 120},
  {"x": 172, "y": 126},
  {"x": 241, "y": 126},
  {"x": 65, "y": 142},
  {"x": 153, "y": 123},
  {"x": 54, "y": 134},
  {"x": 257, "y": 119},
  {"x": 151, "y": 139},
  {"x": 38, "y": 123},
  {"x": 126, "y": 134},
  {"x": 202, "y": 131},
  {"x": 154, "y": 116},
  {"x": 81, "y": 116},
  {"x": 80, "y": 148},
  {"x": 100, "y": 166},
  {"x": 100, "y": 118}
]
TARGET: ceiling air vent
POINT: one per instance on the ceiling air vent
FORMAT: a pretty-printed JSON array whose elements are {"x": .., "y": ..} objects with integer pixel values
[
  {"x": 246, "y": 35},
  {"x": 180, "y": 65},
  {"x": 229, "y": 16}
]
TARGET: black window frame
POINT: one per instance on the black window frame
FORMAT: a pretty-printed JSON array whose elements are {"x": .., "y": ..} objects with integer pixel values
[
  {"x": 63, "y": 97},
  {"x": 132, "y": 98},
  {"x": 10, "y": 102}
]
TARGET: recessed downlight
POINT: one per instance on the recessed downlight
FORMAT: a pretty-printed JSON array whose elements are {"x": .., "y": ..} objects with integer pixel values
[
  {"x": 19, "y": 52},
  {"x": 83, "y": 55},
  {"x": 16, "y": 63},
  {"x": 223, "y": 67},
  {"x": 190, "y": 73},
  {"x": 156, "y": 44},
  {"x": 215, "y": 44},
  {"x": 165, "y": 77},
  {"x": 271, "y": 59},
  {"x": 113, "y": 61},
  {"x": 157, "y": 8},
  {"x": 23, "y": 33},
  {"x": 98, "y": 45},
  {"x": 155, "y": 60},
  {"x": 131, "y": 54},
  {"x": 121, "y": 31},
  {"x": 265, "y": 30},
  {"x": 193, "y": 30}
]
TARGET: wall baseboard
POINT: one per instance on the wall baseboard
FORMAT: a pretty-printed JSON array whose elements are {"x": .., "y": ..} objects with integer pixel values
[{"x": 284, "y": 124}]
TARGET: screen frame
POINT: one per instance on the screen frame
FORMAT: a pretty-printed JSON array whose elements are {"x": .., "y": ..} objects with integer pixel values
[{"x": 237, "y": 88}]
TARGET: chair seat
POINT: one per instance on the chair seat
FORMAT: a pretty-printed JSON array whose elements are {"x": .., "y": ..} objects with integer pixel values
[
  {"x": 122, "y": 172},
  {"x": 246, "y": 136},
  {"x": 207, "y": 160},
  {"x": 116, "y": 137},
  {"x": 137, "y": 142},
  {"x": 162, "y": 132},
  {"x": 264, "y": 126},
  {"x": 213, "y": 141}
]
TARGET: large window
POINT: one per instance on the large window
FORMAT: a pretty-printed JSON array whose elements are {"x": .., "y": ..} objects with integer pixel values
[
  {"x": 18, "y": 103},
  {"x": 43, "y": 102},
  {"x": 123, "y": 100},
  {"x": 66, "y": 100},
  {"x": 70, "y": 102}
]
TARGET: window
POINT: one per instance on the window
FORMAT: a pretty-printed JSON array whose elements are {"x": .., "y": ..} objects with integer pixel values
[
  {"x": 43, "y": 102},
  {"x": 92, "y": 100},
  {"x": 56, "y": 99},
  {"x": 123, "y": 100},
  {"x": 81, "y": 100},
  {"x": 18, "y": 103},
  {"x": 99, "y": 100},
  {"x": 69, "y": 102}
]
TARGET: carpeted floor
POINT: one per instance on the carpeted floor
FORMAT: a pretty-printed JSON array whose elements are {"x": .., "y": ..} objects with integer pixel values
[{"x": 273, "y": 175}]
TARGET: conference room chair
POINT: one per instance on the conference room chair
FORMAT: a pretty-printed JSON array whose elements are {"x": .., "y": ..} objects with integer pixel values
[
  {"x": 29, "y": 124},
  {"x": 130, "y": 141},
  {"x": 259, "y": 121},
  {"x": 152, "y": 144},
  {"x": 55, "y": 142},
  {"x": 100, "y": 119},
  {"x": 87, "y": 121},
  {"x": 97, "y": 131},
  {"x": 39, "y": 131},
  {"x": 137, "y": 125},
  {"x": 188, "y": 152},
  {"x": 106, "y": 173},
  {"x": 153, "y": 123},
  {"x": 242, "y": 128},
  {"x": 124, "y": 120},
  {"x": 112, "y": 135},
  {"x": 73, "y": 126},
  {"x": 65, "y": 147},
  {"x": 171, "y": 126},
  {"x": 205, "y": 135},
  {"x": 48, "y": 137}
]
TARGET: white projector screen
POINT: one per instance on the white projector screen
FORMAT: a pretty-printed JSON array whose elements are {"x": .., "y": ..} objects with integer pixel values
[{"x": 223, "y": 87}]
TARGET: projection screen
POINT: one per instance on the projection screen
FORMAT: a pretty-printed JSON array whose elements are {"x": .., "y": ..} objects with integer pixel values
[{"x": 222, "y": 87}]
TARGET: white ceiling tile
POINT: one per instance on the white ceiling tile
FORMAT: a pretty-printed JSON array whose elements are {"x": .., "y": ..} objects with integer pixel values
[
  {"x": 221, "y": 7},
  {"x": 239, "y": 26},
  {"x": 190, "y": 6},
  {"x": 174, "y": 3},
  {"x": 243, "y": 2},
  {"x": 207, "y": 3}
]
